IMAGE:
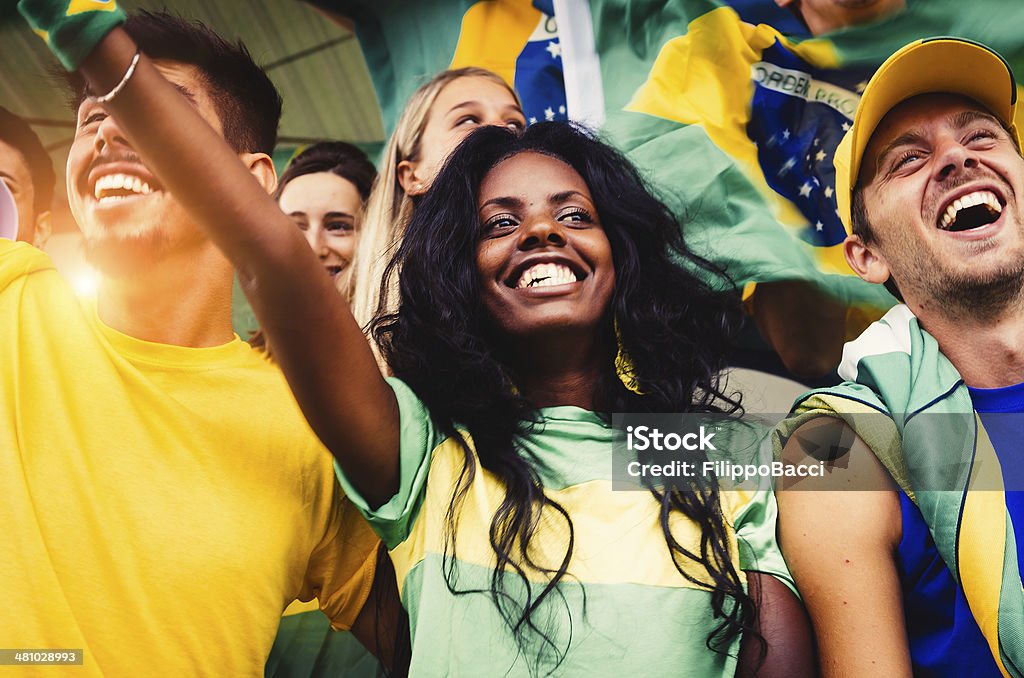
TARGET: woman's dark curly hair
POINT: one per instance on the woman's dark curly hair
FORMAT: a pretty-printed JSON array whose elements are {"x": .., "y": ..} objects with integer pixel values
[{"x": 671, "y": 322}]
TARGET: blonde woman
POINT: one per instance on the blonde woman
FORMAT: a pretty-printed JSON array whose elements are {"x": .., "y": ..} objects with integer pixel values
[{"x": 436, "y": 118}]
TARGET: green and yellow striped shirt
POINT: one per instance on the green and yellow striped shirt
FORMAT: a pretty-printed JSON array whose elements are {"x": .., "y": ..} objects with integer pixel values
[{"x": 624, "y": 609}]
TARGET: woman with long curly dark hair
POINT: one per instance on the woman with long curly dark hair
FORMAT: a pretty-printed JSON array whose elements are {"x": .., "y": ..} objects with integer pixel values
[{"x": 542, "y": 288}]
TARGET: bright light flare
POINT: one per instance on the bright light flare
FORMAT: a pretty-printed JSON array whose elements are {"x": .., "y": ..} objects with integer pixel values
[{"x": 86, "y": 283}]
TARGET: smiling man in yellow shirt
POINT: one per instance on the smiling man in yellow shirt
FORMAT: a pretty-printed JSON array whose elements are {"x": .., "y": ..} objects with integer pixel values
[{"x": 162, "y": 499}]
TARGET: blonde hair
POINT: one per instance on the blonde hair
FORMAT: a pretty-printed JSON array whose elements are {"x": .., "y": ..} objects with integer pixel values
[{"x": 389, "y": 208}]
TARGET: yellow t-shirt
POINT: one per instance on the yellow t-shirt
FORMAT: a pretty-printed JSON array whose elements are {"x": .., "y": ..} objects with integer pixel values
[{"x": 160, "y": 506}]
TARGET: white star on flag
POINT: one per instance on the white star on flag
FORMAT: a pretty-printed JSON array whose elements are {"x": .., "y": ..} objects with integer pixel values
[
  {"x": 805, "y": 190},
  {"x": 846, "y": 127},
  {"x": 828, "y": 191},
  {"x": 819, "y": 156},
  {"x": 818, "y": 226},
  {"x": 788, "y": 165},
  {"x": 785, "y": 134},
  {"x": 532, "y": 119},
  {"x": 561, "y": 109},
  {"x": 555, "y": 49},
  {"x": 549, "y": 114}
]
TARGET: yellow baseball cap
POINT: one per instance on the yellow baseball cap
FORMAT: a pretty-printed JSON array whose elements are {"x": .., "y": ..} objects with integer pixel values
[{"x": 932, "y": 65}]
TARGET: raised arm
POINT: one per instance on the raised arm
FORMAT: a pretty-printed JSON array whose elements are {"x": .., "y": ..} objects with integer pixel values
[
  {"x": 839, "y": 538},
  {"x": 319, "y": 346}
]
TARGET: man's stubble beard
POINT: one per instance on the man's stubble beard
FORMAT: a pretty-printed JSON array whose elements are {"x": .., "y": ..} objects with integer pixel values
[
  {"x": 124, "y": 255},
  {"x": 961, "y": 294},
  {"x": 983, "y": 298}
]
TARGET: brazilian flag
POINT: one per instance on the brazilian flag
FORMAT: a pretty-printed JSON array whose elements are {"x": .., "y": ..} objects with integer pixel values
[
  {"x": 737, "y": 122},
  {"x": 407, "y": 43}
]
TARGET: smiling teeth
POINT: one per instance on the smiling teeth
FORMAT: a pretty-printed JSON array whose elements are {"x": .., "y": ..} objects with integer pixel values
[
  {"x": 546, "y": 275},
  {"x": 970, "y": 200},
  {"x": 124, "y": 183}
]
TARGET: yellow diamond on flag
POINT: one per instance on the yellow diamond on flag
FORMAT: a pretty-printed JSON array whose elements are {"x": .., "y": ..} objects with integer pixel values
[
  {"x": 493, "y": 35},
  {"x": 79, "y": 6}
]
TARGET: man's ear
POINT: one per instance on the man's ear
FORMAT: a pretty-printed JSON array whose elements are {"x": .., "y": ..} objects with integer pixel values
[
  {"x": 865, "y": 260},
  {"x": 262, "y": 167},
  {"x": 411, "y": 183},
  {"x": 44, "y": 227}
]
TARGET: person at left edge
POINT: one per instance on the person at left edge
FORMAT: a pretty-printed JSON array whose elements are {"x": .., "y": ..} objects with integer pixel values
[{"x": 26, "y": 170}]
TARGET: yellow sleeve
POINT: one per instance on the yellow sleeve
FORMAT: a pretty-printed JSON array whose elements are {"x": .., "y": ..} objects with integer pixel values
[{"x": 342, "y": 566}]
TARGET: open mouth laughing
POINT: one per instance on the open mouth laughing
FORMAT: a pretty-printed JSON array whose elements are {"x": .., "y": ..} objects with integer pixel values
[
  {"x": 114, "y": 181},
  {"x": 971, "y": 211},
  {"x": 547, "y": 273},
  {"x": 115, "y": 187}
]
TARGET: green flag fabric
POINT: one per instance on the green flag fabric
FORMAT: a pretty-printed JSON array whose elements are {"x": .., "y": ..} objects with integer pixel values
[
  {"x": 306, "y": 647},
  {"x": 406, "y": 43}
]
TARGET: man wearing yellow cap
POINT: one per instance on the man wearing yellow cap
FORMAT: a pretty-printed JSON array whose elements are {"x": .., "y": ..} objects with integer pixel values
[{"x": 906, "y": 554}]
